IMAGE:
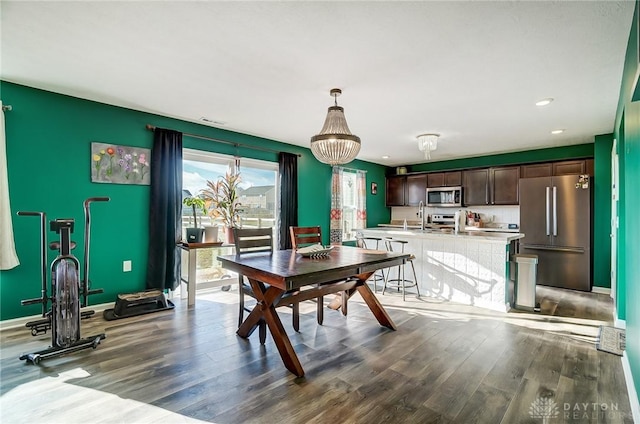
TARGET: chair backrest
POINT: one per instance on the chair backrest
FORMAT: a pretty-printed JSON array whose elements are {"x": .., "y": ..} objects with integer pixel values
[
  {"x": 304, "y": 236},
  {"x": 253, "y": 240}
]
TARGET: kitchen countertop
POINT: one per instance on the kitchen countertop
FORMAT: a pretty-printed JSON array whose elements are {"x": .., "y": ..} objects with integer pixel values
[{"x": 494, "y": 236}]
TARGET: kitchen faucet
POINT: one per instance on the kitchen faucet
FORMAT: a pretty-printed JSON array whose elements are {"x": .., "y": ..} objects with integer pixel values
[{"x": 421, "y": 214}]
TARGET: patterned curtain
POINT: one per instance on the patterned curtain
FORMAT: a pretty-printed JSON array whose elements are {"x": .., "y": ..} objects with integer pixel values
[
  {"x": 8, "y": 256},
  {"x": 335, "y": 231},
  {"x": 361, "y": 200}
]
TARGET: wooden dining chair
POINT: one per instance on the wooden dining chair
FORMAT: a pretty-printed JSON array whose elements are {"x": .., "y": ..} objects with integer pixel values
[
  {"x": 306, "y": 236},
  {"x": 257, "y": 240}
]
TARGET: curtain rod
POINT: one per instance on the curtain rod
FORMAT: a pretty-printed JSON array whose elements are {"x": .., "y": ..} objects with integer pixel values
[
  {"x": 7, "y": 108},
  {"x": 153, "y": 128}
]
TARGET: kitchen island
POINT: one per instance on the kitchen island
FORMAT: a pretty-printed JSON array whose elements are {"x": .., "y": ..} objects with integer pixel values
[{"x": 469, "y": 267}]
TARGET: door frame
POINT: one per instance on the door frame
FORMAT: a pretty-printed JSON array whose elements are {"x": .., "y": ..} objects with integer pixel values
[{"x": 614, "y": 218}]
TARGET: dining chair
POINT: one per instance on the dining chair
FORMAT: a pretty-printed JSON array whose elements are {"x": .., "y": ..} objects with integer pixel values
[
  {"x": 306, "y": 236},
  {"x": 258, "y": 240},
  {"x": 372, "y": 243}
]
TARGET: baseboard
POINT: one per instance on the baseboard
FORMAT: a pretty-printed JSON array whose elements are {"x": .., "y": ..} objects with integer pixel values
[
  {"x": 631, "y": 388},
  {"x": 22, "y": 321},
  {"x": 619, "y": 323},
  {"x": 601, "y": 290}
]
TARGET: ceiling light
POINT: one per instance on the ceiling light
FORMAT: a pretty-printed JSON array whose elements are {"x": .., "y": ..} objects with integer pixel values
[
  {"x": 335, "y": 145},
  {"x": 557, "y": 131},
  {"x": 544, "y": 102},
  {"x": 427, "y": 143},
  {"x": 385, "y": 157}
]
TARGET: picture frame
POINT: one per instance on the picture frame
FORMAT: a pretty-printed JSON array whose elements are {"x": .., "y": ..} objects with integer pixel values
[
  {"x": 374, "y": 188},
  {"x": 117, "y": 164}
]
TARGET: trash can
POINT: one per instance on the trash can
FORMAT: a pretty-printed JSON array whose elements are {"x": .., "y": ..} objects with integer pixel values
[{"x": 526, "y": 269}]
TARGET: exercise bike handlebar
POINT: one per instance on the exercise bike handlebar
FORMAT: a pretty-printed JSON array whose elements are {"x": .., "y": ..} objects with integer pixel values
[
  {"x": 87, "y": 240},
  {"x": 43, "y": 261}
]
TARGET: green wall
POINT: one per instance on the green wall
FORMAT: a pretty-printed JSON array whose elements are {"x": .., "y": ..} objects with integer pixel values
[
  {"x": 602, "y": 211},
  {"x": 627, "y": 134},
  {"x": 48, "y": 153}
]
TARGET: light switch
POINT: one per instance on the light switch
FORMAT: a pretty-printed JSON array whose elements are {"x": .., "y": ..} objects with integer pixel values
[{"x": 126, "y": 266}]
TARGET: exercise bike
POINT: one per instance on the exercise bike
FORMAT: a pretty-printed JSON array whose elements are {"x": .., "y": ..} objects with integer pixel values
[{"x": 68, "y": 292}]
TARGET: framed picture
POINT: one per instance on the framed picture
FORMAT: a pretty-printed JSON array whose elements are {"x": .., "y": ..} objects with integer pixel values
[
  {"x": 374, "y": 188},
  {"x": 112, "y": 163}
]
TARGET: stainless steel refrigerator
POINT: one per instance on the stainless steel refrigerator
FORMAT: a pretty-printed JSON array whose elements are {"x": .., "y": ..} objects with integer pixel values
[{"x": 555, "y": 216}]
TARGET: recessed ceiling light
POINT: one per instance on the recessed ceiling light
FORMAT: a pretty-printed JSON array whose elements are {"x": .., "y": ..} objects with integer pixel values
[
  {"x": 385, "y": 157},
  {"x": 557, "y": 131},
  {"x": 544, "y": 102}
]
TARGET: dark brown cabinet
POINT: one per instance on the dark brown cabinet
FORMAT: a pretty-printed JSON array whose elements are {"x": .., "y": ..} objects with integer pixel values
[
  {"x": 491, "y": 186},
  {"x": 565, "y": 167},
  {"x": 394, "y": 192},
  {"x": 416, "y": 189},
  {"x": 444, "y": 179},
  {"x": 476, "y": 187},
  {"x": 536, "y": 170},
  {"x": 406, "y": 190},
  {"x": 504, "y": 183}
]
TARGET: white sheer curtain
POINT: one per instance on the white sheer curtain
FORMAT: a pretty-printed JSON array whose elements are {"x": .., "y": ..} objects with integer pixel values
[{"x": 8, "y": 256}]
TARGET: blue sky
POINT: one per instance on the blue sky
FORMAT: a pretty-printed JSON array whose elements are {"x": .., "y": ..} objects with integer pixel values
[{"x": 196, "y": 174}]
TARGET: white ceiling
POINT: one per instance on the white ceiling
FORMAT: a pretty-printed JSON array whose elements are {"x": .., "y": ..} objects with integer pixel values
[{"x": 469, "y": 70}]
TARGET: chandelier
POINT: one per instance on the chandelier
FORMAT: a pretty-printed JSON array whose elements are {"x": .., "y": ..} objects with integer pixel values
[
  {"x": 427, "y": 143},
  {"x": 335, "y": 145}
]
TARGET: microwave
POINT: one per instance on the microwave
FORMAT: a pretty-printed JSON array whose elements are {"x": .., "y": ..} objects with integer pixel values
[{"x": 450, "y": 197}]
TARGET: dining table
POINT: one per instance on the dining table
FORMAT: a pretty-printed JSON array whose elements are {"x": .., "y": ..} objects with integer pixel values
[{"x": 343, "y": 269}]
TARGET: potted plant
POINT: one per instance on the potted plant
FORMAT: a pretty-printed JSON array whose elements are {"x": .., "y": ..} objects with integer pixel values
[
  {"x": 223, "y": 200},
  {"x": 194, "y": 234}
]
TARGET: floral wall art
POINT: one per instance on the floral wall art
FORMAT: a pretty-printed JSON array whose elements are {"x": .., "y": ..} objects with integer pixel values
[{"x": 111, "y": 163}]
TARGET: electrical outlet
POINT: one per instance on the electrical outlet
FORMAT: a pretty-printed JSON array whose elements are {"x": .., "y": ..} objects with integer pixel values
[{"x": 126, "y": 266}]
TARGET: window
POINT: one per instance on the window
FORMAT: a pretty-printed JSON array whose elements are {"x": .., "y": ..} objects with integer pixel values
[
  {"x": 348, "y": 204},
  {"x": 257, "y": 197},
  {"x": 258, "y": 194}
]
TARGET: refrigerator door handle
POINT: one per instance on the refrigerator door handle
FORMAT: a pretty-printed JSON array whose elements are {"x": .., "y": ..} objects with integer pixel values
[
  {"x": 552, "y": 248},
  {"x": 546, "y": 209},
  {"x": 555, "y": 211}
]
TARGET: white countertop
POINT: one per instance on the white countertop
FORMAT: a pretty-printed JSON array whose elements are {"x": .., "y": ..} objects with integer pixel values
[{"x": 478, "y": 234}]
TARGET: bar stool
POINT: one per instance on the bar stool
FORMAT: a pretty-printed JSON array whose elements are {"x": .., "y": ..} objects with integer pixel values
[
  {"x": 367, "y": 243},
  {"x": 401, "y": 282}
]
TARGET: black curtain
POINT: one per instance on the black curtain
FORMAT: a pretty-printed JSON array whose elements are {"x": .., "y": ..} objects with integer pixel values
[
  {"x": 288, "y": 204},
  {"x": 165, "y": 214}
]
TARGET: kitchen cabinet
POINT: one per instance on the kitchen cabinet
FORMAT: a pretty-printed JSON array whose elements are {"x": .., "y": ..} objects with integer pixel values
[
  {"x": 416, "y": 189},
  {"x": 491, "y": 186},
  {"x": 476, "y": 187},
  {"x": 565, "y": 167},
  {"x": 444, "y": 179},
  {"x": 394, "y": 193},
  {"x": 536, "y": 170},
  {"x": 504, "y": 183},
  {"x": 406, "y": 190}
]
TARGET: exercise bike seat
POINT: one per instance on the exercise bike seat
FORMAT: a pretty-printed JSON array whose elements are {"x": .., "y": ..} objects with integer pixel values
[{"x": 55, "y": 245}]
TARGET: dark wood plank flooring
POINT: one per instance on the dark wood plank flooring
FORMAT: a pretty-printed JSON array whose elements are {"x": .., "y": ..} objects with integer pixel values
[{"x": 446, "y": 363}]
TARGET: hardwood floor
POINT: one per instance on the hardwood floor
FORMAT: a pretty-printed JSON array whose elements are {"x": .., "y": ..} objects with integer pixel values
[{"x": 445, "y": 364}]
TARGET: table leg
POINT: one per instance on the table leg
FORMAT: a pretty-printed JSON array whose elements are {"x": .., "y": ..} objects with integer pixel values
[
  {"x": 191, "y": 278},
  {"x": 376, "y": 308},
  {"x": 266, "y": 309}
]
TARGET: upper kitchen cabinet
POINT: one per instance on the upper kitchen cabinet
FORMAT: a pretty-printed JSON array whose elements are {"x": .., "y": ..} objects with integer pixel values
[
  {"x": 565, "y": 167},
  {"x": 491, "y": 186},
  {"x": 476, "y": 187},
  {"x": 504, "y": 185},
  {"x": 395, "y": 190},
  {"x": 416, "y": 189},
  {"x": 406, "y": 190},
  {"x": 444, "y": 179}
]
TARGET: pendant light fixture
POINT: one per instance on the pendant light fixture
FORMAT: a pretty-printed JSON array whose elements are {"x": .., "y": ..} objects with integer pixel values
[
  {"x": 335, "y": 145},
  {"x": 427, "y": 143}
]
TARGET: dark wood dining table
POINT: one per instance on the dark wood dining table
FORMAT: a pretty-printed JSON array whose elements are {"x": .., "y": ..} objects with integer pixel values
[{"x": 271, "y": 275}]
